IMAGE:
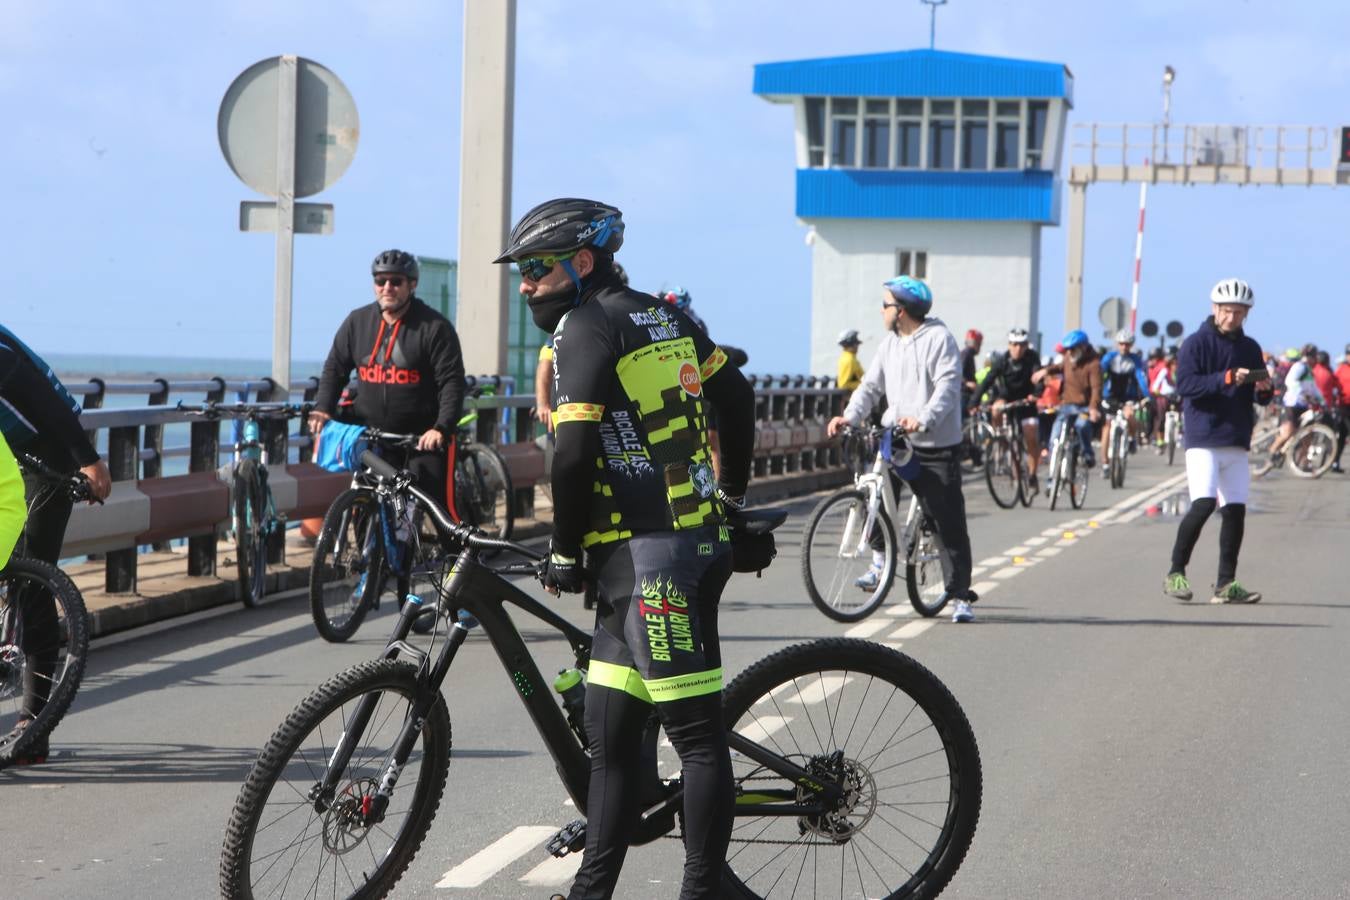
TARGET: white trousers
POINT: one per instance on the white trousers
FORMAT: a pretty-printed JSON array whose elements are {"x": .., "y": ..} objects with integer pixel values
[{"x": 1218, "y": 472}]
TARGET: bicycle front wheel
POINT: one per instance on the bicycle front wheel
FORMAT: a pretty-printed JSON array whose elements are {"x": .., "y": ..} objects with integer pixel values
[
  {"x": 837, "y": 557},
  {"x": 348, "y": 571},
  {"x": 44, "y": 639},
  {"x": 1078, "y": 474},
  {"x": 250, "y": 540},
  {"x": 923, "y": 568},
  {"x": 288, "y": 837},
  {"x": 483, "y": 491},
  {"x": 1312, "y": 451},
  {"x": 875, "y": 721},
  {"x": 1003, "y": 473}
]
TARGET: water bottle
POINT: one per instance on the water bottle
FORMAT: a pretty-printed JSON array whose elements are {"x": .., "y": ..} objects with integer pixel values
[{"x": 571, "y": 687}]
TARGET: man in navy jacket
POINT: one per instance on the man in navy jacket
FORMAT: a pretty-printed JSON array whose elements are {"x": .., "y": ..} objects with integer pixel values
[{"x": 1220, "y": 374}]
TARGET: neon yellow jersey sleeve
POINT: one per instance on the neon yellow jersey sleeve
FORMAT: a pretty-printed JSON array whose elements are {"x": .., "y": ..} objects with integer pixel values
[{"x": 13, "y": 511}]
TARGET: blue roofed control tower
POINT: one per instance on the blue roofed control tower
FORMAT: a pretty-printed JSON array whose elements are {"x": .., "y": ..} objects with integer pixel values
[{"x": 927, "y": 163}]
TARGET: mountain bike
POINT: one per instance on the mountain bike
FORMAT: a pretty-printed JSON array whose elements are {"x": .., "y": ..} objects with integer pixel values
[
  {"x": 1067, "y": 466},
  {"x": 976, "y": 433},
  {"x": 853, "y": 527},
  {"x": 370, "y": 533},
  {"x": 254, "y": 518},
  {"x": 1310, "y": 451},
  {"x": 1117, "y": 442},
  {"x": 1005, "y": 463},
  {"x": 853, "y": 764},
  {"x": 44, "y": 631},
  {"x": 1171, "y": 429}
]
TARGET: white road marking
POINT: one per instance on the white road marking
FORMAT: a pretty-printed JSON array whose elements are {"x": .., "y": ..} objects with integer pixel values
[
  {"x": 994, "y": 561},
  {"x": 976, "y": 570},
  {"x": 760, "y": 727},
  {"x": 1007, "y": 572},
  {"x": 1051, "y": 532},
  {"x": 1049, "y": 551},
  {"x": 817, "y": 689},
  {"x": 1129, "y": 516},
  {"x": 1066, "y": 542},
  {"x": 867, "y": 628},
  {"x": 912, "y": 629},
  {"x": 496, "y": 856},
  {"x": 553, "y": 871},
  {"x": 984, "y": 587},
  {"x": 1034, "y": 541},
  {"x": 1019, "y": 550},
  {"x": 900, "y": 609}
]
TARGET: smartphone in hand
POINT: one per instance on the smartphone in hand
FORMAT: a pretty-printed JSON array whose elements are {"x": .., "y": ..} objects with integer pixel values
[{"x": 1256, "y": 375}]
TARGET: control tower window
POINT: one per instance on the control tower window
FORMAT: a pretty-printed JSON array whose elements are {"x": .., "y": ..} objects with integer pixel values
[
  {"x": 942, "y": 134},
  {"x": 1007, "y": 133},
  {"x": 975, "y": 134},
  {"x": 843, "y": 132},
  {"x": 908, "y": 133},
  {"x": 1038, "y": 113},
  {"x": 877, "y": 134},
  {"x": 815, "y": 131}
]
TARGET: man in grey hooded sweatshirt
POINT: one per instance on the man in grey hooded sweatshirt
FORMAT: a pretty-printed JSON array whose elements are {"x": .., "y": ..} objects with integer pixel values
[{"x": 918, "y": 370}]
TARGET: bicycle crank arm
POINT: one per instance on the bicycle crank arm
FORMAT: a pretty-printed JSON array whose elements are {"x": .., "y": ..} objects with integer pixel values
[{"x": 830, "y": 795}]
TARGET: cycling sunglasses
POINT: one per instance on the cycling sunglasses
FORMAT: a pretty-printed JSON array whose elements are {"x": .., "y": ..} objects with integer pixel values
[
  {"x": 395, "y": 280},
  {"x": 535, "y": 268}
]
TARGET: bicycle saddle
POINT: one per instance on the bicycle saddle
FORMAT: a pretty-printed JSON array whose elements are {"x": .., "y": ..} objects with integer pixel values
[{"x": 757, "y": 521}]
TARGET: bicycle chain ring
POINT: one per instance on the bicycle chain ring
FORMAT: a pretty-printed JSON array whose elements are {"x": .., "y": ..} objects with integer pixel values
[
  {"x": 856, "y": 807},
  {"x": 344, "y": 825}
]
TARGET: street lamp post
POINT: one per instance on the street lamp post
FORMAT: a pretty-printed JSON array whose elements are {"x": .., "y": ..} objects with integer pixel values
[
  {"x": 1169, "y": 75},
  {"x": 932, "y": 20}
]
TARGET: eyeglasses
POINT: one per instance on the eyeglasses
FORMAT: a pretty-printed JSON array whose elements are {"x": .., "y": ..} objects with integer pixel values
[
  {"x": 395, "y": 280},
  {"x": 535, "y": 268},
  {"x": 890, "y": 306}
]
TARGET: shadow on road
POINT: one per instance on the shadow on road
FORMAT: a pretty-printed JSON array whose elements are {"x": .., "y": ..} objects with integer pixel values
[{"x": 128, "y": 763}]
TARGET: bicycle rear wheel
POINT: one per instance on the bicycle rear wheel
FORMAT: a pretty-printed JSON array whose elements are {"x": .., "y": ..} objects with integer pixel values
[
  {"x": 286, "y": 838},
  {"x": 483, "y": 491},
  {"x": 923, "y": 567},
  {"x": 348, "y": 572},
  {"x": 1171, "y": 439},
  {"x": 837, "y": 557},
  {"x": 49, "y": 649},
  {"x": 1078, "y": 474},
  {"x": 1119, "y": 451},
  {"x": 1312, "y": 451},
  {"x": 250, "y": 539},
  {"x": 1057, "y": 472},
  {"x": 870, "y": 718},
  {"x": 1003, "y": 473}
]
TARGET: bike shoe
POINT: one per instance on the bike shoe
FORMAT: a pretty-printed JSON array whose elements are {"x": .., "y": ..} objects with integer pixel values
[
  {"x": 870, "y": 580},
  {"x": 1232, "y": 592},
  {"x": 1176, "y": 585},
  {"x": 963, "y": 612}
]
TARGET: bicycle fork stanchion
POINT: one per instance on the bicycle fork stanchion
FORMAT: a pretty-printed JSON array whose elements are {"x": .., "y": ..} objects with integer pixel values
[{"x": 321, "y": 795}]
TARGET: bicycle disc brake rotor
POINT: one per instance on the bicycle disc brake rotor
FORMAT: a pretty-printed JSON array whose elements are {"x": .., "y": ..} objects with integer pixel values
[
  {"x": 856, "y": 808},
  {"x": 344, "y": 823},
  {"x": 11, "y": 671}
]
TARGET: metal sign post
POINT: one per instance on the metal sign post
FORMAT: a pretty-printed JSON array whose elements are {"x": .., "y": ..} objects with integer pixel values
[{"x": 288, "y": 129}]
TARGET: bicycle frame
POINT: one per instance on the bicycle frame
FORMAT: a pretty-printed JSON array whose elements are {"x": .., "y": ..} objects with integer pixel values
[
  {"x": 880, "y": 495},
  {"x": 484, "y": 594}
]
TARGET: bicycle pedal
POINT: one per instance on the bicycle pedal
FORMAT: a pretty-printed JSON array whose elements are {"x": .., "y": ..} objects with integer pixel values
[{"x": 571, "y": 838}]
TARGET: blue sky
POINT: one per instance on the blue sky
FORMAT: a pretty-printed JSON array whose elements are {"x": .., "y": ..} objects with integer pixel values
[{"x": 120, "y": 222}]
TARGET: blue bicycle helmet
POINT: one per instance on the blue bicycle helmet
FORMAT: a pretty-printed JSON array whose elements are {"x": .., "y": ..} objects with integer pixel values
[
  {"x": 911, "y": 293},
  {"x": 677, "y": 297},
  {"x": 1074, "y": 338}
]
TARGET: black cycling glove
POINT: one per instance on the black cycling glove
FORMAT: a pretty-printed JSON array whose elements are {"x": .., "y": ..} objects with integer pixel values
[{"x": 563, "y": 571}]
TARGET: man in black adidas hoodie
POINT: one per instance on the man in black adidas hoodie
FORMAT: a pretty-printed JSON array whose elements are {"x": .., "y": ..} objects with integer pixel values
[{"x": 409, "y": 370}]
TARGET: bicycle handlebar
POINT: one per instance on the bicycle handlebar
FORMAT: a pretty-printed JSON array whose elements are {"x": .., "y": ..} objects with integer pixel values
[
  {"x": 391, "y": 437},
  {"x": 77, "y": 485},
  {"x": 465, "y": 534}
]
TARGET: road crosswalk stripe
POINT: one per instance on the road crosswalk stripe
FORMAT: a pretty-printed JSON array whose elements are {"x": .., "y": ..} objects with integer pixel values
[
  {"x": 553, "y": 871},
  {"x": 496, "y": 856},
  {"x": 866, "y": 628},
  {"x": 912, "y": 629}
]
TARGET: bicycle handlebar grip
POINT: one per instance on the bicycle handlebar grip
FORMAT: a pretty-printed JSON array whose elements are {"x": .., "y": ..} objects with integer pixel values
[{"x": 377, "y": 465}]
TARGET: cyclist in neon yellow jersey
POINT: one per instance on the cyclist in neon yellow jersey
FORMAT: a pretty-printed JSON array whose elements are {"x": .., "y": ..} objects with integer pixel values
[
  {"x": 13, "y": 512},
  {"x": 633, "y": 484}
]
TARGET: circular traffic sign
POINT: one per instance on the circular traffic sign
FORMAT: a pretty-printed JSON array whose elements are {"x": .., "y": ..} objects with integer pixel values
[
  {"x": 326, "y": 126},
  {"x": 1148, "y": 328},
  {"x": 1175, "y": 329}
]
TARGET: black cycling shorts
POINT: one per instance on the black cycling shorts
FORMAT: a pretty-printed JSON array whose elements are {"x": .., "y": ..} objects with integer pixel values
[{"x": 656, "y": 621}]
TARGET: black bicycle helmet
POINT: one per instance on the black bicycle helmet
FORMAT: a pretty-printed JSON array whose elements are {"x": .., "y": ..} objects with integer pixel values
[
  {"x": 564, "y": 225},
  {"x": 395, "y": 262}
]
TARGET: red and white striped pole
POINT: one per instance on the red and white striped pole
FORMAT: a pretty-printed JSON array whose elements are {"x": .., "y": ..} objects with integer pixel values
[{"x": 1138, "y": 253}]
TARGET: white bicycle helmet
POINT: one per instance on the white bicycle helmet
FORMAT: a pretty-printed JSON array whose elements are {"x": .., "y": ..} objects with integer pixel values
[
  {"x": 1017, "y": 336},
  {"x": 1233, "y": 290},
  {"x": 1124, "y": 336},
  {"x": 849, "y": 336}
]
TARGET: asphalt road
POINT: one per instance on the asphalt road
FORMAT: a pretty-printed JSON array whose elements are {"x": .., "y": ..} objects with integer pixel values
[{"x": 1132, "y": 746}]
